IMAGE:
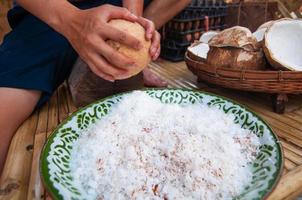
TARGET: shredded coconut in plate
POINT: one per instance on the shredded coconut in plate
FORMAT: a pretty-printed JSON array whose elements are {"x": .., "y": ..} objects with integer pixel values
[{"x": 144, "y": 149}]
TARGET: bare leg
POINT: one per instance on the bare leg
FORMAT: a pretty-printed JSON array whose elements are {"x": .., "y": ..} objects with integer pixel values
[
  {"x": 16, "y": 105},
  {"x": 160, "y": 12}
]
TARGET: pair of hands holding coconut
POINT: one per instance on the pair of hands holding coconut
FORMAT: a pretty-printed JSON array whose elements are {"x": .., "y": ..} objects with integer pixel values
[{"x": 112, "y": 47}]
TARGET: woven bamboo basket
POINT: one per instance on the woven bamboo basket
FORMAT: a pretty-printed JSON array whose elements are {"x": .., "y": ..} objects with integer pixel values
[{"x": 277, "y": 83}]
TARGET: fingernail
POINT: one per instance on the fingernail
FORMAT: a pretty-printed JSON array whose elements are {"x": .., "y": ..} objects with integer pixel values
[{"x": 149, "y": 35}]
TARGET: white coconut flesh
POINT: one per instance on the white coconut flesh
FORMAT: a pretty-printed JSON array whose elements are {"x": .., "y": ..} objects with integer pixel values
[
  {"x": 201, "y": 50},
  {"x": 284, "y": 43},
  {"x": 259, "y": 34},
  {"x": 268, "y": 24},
  {"x": 205, "y": 38}
]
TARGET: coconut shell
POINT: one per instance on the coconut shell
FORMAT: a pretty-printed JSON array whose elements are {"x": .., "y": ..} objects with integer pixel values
[
  {"x": 236, "y": 58},
  {"x": 238, "y": 37},
  {"x": 275, "y": 65},
  {"x": 140, "y": 57},
  {"x": 268, "y": 24}
]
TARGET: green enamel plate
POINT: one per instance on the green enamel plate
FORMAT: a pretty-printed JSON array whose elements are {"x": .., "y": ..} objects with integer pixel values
[{"x": 55, "y": 157}]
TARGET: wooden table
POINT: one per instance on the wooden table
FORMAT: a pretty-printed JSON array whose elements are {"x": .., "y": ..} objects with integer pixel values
[{"x": 21, "y": 174}]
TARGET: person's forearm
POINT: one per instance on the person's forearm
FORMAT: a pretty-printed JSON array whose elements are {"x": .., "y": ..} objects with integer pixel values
[
  {"x": 134, "y": 6},
  {"x": 54, "y": 13},
  {"x": 161, "y": 11}
]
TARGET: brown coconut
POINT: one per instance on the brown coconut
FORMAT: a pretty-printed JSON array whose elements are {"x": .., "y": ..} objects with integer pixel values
[
  {"x": 283, "y": 44},
  {"x": 236, "y": 48},
  {"x": 237, "y": 36},
  {"x": 236, "y": 58},
  {"x": 140, "y": 57}
]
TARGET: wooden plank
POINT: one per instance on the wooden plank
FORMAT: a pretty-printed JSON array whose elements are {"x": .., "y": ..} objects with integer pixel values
[
  {"x": 16, "y": 172},
  {"x": 71, "y": 107},
  {"x": 172, "y": 79},
  {"x": 285, "y": 171},
  {"x": 292, "y": 157},
  {"x": 289, "y": 186},
  {"x": 179, "y": 73},
  {"x": 170, "y": 83},
  {"x": 53, "y": 117},
  {"x": 297, "y": 150},
  {"x": 53, "y": 120},
  {"x": 289, "y": 165},
  {"x": 36, "y": 189},
  {"x": 282, "y": 8},
  {"x": 298, "y": 112},
  {"x": 62, "y": 103}
]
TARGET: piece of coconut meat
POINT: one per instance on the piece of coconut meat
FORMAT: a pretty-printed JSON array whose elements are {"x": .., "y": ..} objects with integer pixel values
[
  {"x": 259, "y": 34},
  {"x": 200, "y": 50},
  {"x": 205, "y": 38}
]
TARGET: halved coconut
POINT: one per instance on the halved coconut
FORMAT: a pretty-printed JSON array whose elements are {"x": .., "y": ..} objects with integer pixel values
[
  {"x": 236, "y": 58},
  {"x": 283, "y": 45},
  {"x": 237, "y": 36},
  {"x": 259, "y": 33},
  {"x": 198, "y": 51},
  {"x": 205, "y": 38}
]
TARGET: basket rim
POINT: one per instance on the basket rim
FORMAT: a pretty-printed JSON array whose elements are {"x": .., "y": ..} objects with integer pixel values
[
  {"x": 270, "y": 75},
  {"x": 287, "y": 82}
]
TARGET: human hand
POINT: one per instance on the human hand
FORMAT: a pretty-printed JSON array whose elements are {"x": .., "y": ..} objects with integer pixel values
[
  {"x": 88, "y": 30},
  {"x": 151, "y": 34}
]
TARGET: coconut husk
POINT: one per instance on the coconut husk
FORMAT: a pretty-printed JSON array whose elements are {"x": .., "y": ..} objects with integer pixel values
[
  {"x": 238, "y": 37},
  {"x": 140, "y": 57},
  {"x": 236, "y": 58},
  {"x": 86, "y": 87}
]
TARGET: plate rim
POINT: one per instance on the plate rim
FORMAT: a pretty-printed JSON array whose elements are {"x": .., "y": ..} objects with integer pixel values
[{"x": 54, "y": 193}]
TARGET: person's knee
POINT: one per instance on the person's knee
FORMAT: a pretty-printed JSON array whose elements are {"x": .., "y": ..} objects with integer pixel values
[{"x": 16, "y": 105}]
